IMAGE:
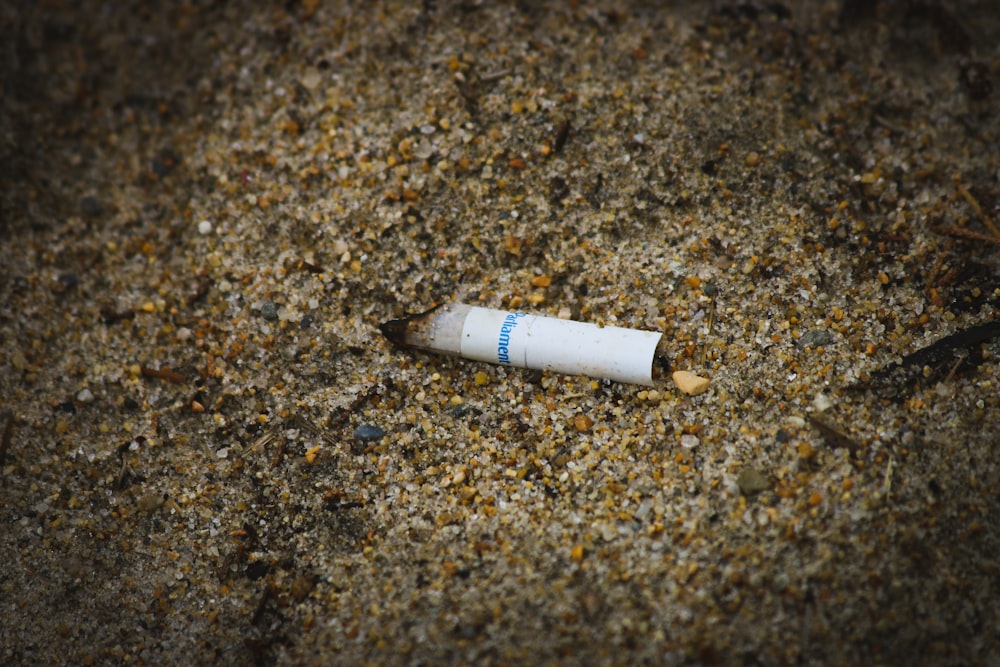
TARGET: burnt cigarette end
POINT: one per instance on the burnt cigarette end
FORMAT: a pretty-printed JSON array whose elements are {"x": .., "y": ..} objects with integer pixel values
[
  {"x": 395, "y": 331},
  {"x": 401, "y": 332},
  {"x": 661, "y": 364}
]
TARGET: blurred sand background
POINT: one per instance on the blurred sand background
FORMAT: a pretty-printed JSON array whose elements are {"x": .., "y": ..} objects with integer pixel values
[{"x": 208, "y": 455}]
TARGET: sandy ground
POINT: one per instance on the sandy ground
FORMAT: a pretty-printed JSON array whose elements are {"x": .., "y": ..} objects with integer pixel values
[{"x": 209, "y": 455}]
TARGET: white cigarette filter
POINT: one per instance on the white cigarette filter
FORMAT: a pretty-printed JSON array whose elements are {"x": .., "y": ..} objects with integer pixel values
[{"x": 518, "y": 339}]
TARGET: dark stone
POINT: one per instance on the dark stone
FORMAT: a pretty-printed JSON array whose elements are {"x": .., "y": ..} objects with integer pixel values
[{"x": 368, "y": 433}]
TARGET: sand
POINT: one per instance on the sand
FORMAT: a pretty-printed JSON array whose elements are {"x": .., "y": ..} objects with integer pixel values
[{"x": 209, "y": 454}]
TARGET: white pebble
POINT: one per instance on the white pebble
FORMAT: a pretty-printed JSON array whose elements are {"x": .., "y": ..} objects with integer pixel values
[
  {"x": 822, "y": 402},
  {"x": 205, "y": 227},
  {"x": 689, "y": 441},
  {"x": 85, "y": 395}
]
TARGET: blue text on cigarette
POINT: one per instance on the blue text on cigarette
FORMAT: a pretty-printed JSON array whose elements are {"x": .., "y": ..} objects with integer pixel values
[{"x": 503, "y": 342}]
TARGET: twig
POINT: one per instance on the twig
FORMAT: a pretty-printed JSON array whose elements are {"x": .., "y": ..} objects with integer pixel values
[
  {"x": 834, "y": 436},
  {"x": 963, "y": 233},
  {"x": 8, "y": 432},
  {"x": 163, "y": 373},
  {"x": 974, "y": 203},
  {"x": 711, "y": 326},
  {"x": 954, "y": 369}
]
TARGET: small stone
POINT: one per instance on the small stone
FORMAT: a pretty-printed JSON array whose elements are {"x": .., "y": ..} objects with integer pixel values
[
  {"x": 205, "y": 227},
  {"x": 816, "y": 338},
  {"x": 460, "y": 410},
  {"x": 90, "y": 207},
  {"x": 689, "y": 383},
  {"x": 689, "y": 441},
  {"x": 19, "y": 361},
  {"x": 311, "y": 79},
  {"x": 582, "y": 422},
  {"x": 150, "y": 502},
  {"x": 301, "y": 587},
  {"x": 806, "y": 451},
  {"x": 85, "y": 395},
  {"x": 368, "y": 433},
  {"x": 269, "y": 311},
  {"x": 822, "y": 402},
  {"x": 66, "y": 281},
  {"x": 161, "y": 168},
  {"x": 752, "y": 481}
]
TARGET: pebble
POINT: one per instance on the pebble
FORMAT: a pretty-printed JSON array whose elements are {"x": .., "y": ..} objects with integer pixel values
[
  {"x": 751, "y": 481},
  {"x": 822, "y": 402},
  {"x": 85, "y": 395},
  {"x": 66, "y": 281},
  {"x": 816, "y": 338},
  {"x": 460, "y": 410},
  {"x": 90, "y": 206},
  {"x": 205, "y": 227},
  {"x": 269, "y": 311},
  {"x": 689, "y": 441},
  {"x": 690, "y": 383},
  {"x": 368, "y": 433},
  {"x": 582, "y": 422},
  {"x": 311, "y": 79}
]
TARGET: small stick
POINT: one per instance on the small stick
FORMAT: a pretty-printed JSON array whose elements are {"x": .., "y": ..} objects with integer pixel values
[
  {"x": 711, "y": 326},
  {"x": 954, "y": 369},
  {"x": 8, "y": 432},
  {"x": 968, "y": 234},
  {"x": 163, "y": 373},
  {"x": 833, "y": 435},
  {"x": 974, "y": 203}
]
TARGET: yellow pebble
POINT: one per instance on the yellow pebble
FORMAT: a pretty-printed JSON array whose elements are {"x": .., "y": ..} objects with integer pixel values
[
  {"x": 689, "y": 383},
  {"x": 582, "y": 422},
  {"x": 481, "y": 378}
]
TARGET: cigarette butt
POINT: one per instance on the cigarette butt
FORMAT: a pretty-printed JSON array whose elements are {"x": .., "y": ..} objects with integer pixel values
[{"x": 514, "y": 338}]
